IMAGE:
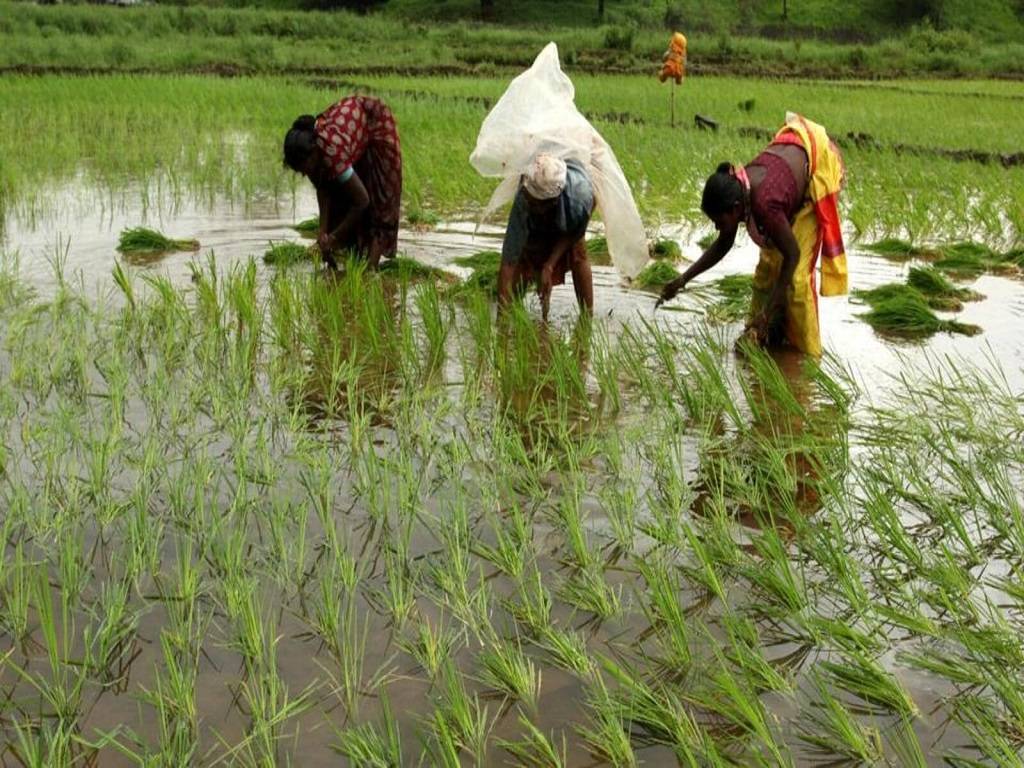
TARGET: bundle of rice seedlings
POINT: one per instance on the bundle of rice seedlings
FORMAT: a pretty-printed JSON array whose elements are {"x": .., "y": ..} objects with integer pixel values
[
  {"x": 938, "y": 290},
  {"x": 969, "y": 260},
  {"x": 899, "y": 291},
  {"x": 145, "y": 240},
  {"x": 485, "y": 266},
  {"x": 283, "y": 254},
  {"x": 736, "y": 291},
  {"x": 906, "y": 313},
  {"x": 407, "y": 269},
  {"x": 308, "y": 227},
  {"x": 1015, "y": 257},
  {"x": 899, "y": 250},
  {"x": 420, "y": 219},
  {"x": 667, "y": 250},
  {"x": 655, "y": 275},
  {"x": 597, "y": 251}
]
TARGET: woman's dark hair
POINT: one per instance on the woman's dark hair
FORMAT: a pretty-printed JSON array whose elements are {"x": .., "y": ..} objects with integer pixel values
[
  {"x": 299, "y": 142},
  {"x": 722, "y": 191}
]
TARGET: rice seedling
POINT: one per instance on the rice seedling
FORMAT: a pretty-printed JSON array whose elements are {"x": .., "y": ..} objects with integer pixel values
[
  {"x": 534, "y": 749},
  {"x": 588, "y": 591},
  {"x": 506, "y": 669},
  {"x": 145, "y": 240},
  {"x": 832, "y": 730},
  {"x": 372, "y": 746},
  {"x": 567, "y": 649},
  {"x": 284, "y": 254},
  {"x": 605, "y": 734},
  {"x": 706, "y": 241},
  {"x": 430, "y": 647},
  {"x": 863, "y": 677},
  {"x": 459, "y": 720},
  {"x": 655, "y": 275}
]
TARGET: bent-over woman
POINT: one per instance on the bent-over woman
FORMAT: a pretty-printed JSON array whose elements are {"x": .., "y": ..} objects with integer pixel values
[
  {"x": 546, "y": 232},
  {"x": 352, "y": 155},
  {"x": 787, "y": 198}
]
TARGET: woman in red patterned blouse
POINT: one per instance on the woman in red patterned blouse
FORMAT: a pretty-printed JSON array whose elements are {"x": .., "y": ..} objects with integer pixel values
[{"x": 352, "y": 154}]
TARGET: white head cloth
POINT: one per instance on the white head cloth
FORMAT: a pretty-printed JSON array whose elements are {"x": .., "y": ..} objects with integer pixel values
[{"x": 545, "y": 177}]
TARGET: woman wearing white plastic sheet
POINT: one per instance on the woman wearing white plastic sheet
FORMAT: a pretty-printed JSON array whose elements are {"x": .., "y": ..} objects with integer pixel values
[
  {"x": 555, "y": 170},
  {"x": 546, "y": 232}
]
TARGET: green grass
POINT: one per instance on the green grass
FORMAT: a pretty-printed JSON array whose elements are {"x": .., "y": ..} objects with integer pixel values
[{"x": 145, "y": 240}]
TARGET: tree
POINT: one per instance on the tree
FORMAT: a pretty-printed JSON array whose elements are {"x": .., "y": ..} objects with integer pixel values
[
  {"x": 487, "y": 9},
  {"x": 600, "y": 9}
]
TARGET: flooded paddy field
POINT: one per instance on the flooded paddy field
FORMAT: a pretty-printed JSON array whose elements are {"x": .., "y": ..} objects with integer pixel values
[{"x": 264, "y": 516}]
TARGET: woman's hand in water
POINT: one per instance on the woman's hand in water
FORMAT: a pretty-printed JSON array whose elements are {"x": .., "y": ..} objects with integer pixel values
[{"x": 670, "y": 290}]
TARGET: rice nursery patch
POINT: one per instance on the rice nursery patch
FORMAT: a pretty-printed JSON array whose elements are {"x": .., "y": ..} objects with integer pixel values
[
  {"x": 148, "y": 241},
  {"x": 244, "y": 519}
]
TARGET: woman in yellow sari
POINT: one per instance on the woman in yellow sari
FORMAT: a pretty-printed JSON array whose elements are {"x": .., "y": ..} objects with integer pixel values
[{"x": 787, "y": 198}]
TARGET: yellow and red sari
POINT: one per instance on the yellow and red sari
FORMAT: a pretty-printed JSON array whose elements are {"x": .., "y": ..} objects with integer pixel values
[{"x": 818, "y": 233}]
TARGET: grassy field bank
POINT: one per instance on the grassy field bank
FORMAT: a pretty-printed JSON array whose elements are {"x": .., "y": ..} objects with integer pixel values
[{"x": 198, "y": 38}]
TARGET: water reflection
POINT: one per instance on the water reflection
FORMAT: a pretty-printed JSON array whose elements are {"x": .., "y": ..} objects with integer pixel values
[{"x": 792, "y": 454}]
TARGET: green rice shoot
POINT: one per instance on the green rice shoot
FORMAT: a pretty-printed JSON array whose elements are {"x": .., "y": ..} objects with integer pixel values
[{"x": 145, "y": 240}]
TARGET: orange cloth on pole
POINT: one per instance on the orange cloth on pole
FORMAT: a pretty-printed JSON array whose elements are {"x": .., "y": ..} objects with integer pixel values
[{"x": 674, "y": 65}]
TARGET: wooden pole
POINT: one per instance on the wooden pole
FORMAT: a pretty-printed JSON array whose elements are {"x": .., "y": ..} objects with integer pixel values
[{"x": 673, "y": 102}]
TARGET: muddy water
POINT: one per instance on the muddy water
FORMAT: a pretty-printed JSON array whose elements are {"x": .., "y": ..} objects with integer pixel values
[
  {"x": 86, "y": 237},
  {"x": 84, "y": 232}
]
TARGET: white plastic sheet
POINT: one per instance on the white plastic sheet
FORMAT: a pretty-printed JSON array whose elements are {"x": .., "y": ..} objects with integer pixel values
[{"x": 537, "y": 114}]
